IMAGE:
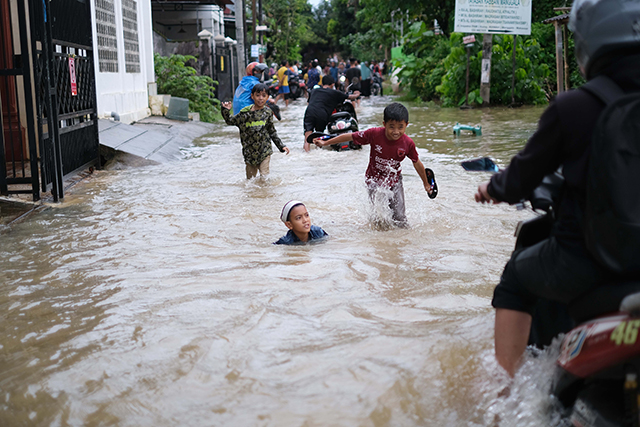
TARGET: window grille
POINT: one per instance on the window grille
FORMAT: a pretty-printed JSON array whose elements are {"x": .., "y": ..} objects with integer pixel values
[
  {"x": 107, "y": 40},
  {"x": 130, "y": 27}
]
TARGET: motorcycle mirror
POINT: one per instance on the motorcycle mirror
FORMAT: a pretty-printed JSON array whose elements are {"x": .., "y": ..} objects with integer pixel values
[{"x": 484, "y": 164}]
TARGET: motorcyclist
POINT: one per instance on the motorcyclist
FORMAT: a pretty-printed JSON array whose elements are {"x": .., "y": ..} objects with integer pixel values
[
  {"x": 242, "y": 95},
  {"x": 560, "y": 268}
]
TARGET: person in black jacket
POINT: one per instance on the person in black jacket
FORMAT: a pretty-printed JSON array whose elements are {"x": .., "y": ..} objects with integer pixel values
[
  {"x": 560, "y": 268},
  {"x": 354, "y": 75},
  {"x": 322, "y": 102}
]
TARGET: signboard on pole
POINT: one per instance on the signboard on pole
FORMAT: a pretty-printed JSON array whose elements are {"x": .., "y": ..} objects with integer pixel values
[
  {"x": 72, "y": 76},
  {"x": 493, "y": 16},
  {"x": 255, "y": 50}
]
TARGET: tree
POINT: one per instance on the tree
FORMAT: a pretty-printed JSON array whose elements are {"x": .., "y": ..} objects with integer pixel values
[{"x": 290, "y": 25}]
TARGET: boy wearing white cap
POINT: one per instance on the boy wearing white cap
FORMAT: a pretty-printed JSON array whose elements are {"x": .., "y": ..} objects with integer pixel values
[{"x": 296, "y": 217}]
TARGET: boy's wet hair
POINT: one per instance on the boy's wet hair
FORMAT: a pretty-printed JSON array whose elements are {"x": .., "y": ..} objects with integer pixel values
[
  {"x": 327, "y": 80},
  {"x": 396, "y": 112},
  {"x": 260, "y": 87}
]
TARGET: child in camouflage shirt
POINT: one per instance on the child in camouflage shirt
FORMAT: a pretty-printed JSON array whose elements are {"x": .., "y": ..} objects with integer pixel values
[{"x": 256, "y": 131}]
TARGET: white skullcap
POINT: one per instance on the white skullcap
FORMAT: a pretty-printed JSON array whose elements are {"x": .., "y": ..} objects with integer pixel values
[{"x": 287, "y": 208}]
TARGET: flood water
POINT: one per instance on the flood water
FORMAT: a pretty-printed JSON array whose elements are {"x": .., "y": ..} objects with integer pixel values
[{"x": 155, "y": 297}]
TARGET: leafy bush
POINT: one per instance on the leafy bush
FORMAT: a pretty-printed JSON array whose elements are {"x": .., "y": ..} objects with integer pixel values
[
  {"x": 423, "y": 67},
  {"x": 453, "y": 83},
  {"x": 435, "y": 67},
  {"x": 530, "y": 72},
  {"x": 174, "y": 77}
]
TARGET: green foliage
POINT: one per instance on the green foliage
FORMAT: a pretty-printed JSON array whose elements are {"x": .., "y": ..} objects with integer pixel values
[
  {"x": 366, "y": 46},
  {"x": 423, "y": 68},
  {"x": 436, "y": 67},
  {"x": 530, "y": 71},
  {"x": 375, "y": 11},
  {"x": 290, "y": 23},
  {"x": 175, "y": 78},
  {"x": 453, "y": 83}
]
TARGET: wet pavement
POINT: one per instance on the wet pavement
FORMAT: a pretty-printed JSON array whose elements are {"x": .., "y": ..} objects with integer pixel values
[
  {"x": 151, "y": 140},
  {"x": 11, "y": 211}
]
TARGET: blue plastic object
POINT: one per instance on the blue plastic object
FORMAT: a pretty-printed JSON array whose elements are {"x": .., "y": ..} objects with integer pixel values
[
  {"x": 477, "y": 130},
  {"x": 484, "y": 164}
]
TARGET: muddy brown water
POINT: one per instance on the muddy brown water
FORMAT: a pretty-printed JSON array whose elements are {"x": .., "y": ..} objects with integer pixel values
[{"x": 154, "y": 296}]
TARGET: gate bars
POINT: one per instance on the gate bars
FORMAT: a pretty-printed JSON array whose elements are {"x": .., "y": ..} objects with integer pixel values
[
  {"x": 13, "y": 66},
  {"x": 68, "y": 107},
  {"x": 67, "y": 122}
]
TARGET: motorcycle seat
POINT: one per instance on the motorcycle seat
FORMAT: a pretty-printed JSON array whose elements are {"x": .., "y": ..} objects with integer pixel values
[
  {"x": 602, "y": 300},
  {"x": 340, "y": 115}
]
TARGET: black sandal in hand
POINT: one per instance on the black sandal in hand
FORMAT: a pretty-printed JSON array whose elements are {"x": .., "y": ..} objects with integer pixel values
[{"x": 431, "y": 177}]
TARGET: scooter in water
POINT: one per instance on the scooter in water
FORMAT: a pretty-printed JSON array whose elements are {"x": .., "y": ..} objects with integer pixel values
[
  {"x": 343, "y": 120},
  {"x": 596, "y": 373}
]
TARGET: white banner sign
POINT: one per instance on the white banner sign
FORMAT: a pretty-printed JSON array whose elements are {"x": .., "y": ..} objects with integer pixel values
[
  {"x": 255, "y": 50},
  {"x": 493, "y": 16}
]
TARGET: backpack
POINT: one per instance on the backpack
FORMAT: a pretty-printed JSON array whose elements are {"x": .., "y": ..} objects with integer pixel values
[{"x": 612, "y": 214}]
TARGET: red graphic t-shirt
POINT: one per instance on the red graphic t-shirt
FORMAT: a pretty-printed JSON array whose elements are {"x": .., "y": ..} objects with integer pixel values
[{"x": 386, "y": 155}]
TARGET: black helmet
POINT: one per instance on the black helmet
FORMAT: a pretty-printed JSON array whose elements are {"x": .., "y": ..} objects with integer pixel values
[
  {"x": 262, "y": 67},
  {"x": 603, "y": 29}
]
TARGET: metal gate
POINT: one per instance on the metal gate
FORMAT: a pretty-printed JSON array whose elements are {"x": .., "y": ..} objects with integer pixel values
[
  {"x": 226, "y": 75},
  {"x": 61, "y": 63},
  {"x": 18, "y": 149}
]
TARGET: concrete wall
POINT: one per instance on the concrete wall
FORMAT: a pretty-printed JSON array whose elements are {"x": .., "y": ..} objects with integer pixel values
[{"x": 126, "y": 93}]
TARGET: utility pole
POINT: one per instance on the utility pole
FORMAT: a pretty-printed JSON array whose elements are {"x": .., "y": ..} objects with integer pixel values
[
  {"x": 240, "y": 37},
  {"x": 253, "y": 24},
  {"x": 261, "y": 57},
  {"x": 485, "y": 75}
]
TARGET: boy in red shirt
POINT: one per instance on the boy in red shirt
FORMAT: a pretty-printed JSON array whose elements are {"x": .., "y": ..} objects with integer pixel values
[{"x": 389, "y": 146}]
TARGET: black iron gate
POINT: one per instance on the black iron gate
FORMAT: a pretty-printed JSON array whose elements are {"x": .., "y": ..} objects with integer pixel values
[{"x": 65, "y": 100}]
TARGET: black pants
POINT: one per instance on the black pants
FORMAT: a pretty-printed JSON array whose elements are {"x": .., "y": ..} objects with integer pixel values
[
  {"x": 366, "y": 87},
  {"x": 546, "y": 270},
  {"x": 313, "y": 121}
]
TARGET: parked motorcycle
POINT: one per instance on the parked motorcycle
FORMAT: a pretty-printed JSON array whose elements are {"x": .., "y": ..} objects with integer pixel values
[
  {"x": 376, "y": 84},
  {"x": 297, "y": 87},
  {"x": 272, "y": 86},
  {"x": 596, "y": 377}
]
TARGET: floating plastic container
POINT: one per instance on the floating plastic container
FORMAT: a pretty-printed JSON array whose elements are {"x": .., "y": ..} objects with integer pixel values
[
  {"x": 178, "y": 109},
  {"x": 477, "y": 130}
]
